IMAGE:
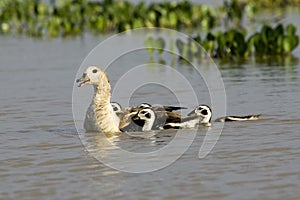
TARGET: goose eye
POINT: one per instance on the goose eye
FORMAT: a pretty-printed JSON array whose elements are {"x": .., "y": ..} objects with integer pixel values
[
  {"x": 95, "y": 71},
  {"x": 143, "y": 112},
  {"x": 204, "y": 112},
  {"x": 115, "y": 108}
]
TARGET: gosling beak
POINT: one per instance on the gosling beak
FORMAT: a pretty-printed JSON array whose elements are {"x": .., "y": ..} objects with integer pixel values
[
  {"x": 134, "y": 110},
  {"x": 135, "y": 117},
  {"x": 192, "y": 114},
  {"x": 83, "y": 80}
]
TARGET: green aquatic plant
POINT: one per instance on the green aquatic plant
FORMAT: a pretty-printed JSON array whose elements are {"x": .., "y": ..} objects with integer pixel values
[
  {"x": 209, "y": 43},
  {"x": 73, "y": 17},
  {"x": 234, "y": 45},
  {"x": 234, "y": 11},
  {"x": 273, "y": 41},
  {"x": 273, "y": 4}
]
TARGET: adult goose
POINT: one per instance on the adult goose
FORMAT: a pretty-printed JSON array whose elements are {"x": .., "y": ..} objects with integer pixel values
[{"x": 101, "y": 109}]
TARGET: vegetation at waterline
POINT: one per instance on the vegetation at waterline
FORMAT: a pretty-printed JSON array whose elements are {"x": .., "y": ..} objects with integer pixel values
[
  {"x": 272, "y": 4},
  {"x": 234, "y": 44},
  {"x": 36, "y": 18},
  {"x": 73, "y": 17}
]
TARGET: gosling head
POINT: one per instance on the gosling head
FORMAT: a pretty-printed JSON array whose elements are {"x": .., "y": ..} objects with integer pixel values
[
  {"x": 91, "y": 76},
  {"x": 116, "y": 106},
  {"x": 203, "y": 111},
  {"x": 144, "y": 105},
  {"x": 147, "y": 116}
]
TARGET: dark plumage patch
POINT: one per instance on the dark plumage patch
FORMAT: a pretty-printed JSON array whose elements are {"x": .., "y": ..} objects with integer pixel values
[
  {"x": 167, "y": 126},
  {"x": 148, "y": 115},
  {"x": 204, "y": 112}
]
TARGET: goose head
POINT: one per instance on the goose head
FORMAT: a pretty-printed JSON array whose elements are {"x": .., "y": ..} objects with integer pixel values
[
  {"x": 203, "y": 111},
  {"x": 92, "y": 76}
]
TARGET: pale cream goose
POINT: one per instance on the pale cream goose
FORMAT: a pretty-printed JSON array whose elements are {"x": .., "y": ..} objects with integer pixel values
[{"x": 104, "y": 115}]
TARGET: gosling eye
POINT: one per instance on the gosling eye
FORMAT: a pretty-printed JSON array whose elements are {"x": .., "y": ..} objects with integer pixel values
[
  {"x": 95, "y": 71},
  {"x": 204, "y": 112},
  {"x": 148, "y": 115},
  {"x": 143, "y": 112}
]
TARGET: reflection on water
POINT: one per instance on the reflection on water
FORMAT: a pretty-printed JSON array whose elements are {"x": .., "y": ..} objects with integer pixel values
[{"x": 43, "y": 157}]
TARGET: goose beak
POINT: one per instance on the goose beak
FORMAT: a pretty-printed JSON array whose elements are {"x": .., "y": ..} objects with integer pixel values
[{"x": 83, "y": 80}]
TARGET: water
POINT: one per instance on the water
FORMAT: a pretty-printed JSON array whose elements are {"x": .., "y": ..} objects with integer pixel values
[{"x": 42, "y": 156}]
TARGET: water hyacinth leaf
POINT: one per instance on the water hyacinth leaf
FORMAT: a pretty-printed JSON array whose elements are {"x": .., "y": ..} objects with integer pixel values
[
  {"x": 290, "y": 43},
  {"x": 239, "y": 44},
  {"x": 42, "y": 9},
  {"x": 151, "y": 16},
  {"x": 209, "y": 46},
  {"x": 251, "y": 9},
  {"x": 221, "y": 39},
  {"x": 290, "y": 30},
  {"x": 256, "y": 45},
  {"x": 267, "y": 34},
  {"x": 137, "y": 23},
  {"x": 210, "y": 37},
  {"x": 173, "y": 20},
  {"x": 279, "y": 30},
  {"x": 197, "y": 38},
  {"x": 100, "y": 23},
  {"x": 5, "y": 27},
  {"x": 279, "y": 44},
  {"x": 287, "y": 44}
]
